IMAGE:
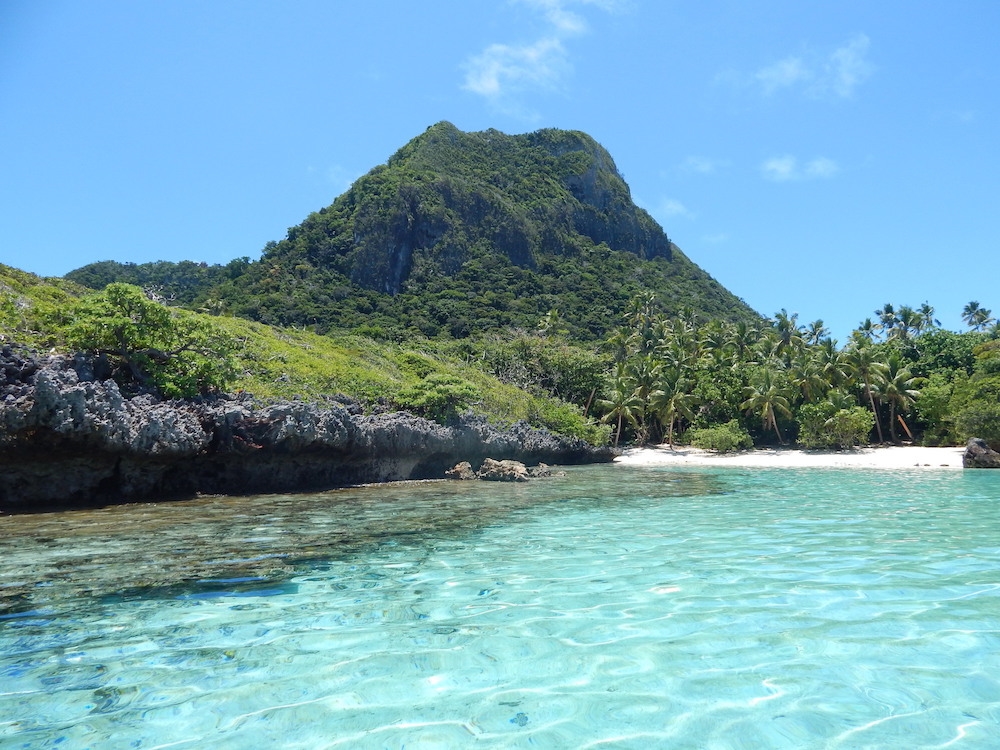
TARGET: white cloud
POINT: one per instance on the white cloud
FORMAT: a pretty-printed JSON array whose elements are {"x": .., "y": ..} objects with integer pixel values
[
  {"x": 703, "y": 164},
  {"x": 780, "y": 168},
  {"x": 564, "y": 21},
  {"x": 837, "y": 74},
  {"x": 786, "y": 168},
  {"x": 782, "y": 74},
  {"x": 503, "y": 71},
  {"x": 821, "y": 167},
  {"x": 502, "y": 68},
  {"x": 669, "y": 208},
  {"x": 847, "y": 66}
]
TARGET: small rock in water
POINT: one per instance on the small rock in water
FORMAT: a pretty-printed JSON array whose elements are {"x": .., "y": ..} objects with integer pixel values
[
  {"x": 503, "y": 471},
  {"x": 461, "y": 470},
  {"x": 520, "y": 718}
]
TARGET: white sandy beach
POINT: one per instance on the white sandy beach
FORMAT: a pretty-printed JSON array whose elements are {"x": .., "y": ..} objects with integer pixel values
[{"x": 891, "y": 457}]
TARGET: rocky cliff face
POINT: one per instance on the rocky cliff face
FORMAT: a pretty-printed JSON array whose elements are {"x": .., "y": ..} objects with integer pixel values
[{"x": 70, "y": 438}]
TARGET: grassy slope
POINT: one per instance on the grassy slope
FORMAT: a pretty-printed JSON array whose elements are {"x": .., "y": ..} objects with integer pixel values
[{"x": 277, "y": 363}]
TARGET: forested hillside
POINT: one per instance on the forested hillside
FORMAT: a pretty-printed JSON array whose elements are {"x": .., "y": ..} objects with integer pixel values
[
  {"x": 457, "y": 234},
  {"x": 149, "y": 347},
  {"x": 514, "y": 275}
]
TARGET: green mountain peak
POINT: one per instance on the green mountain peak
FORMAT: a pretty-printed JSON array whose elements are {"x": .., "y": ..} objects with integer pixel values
[{"x": 461, "y": 232}]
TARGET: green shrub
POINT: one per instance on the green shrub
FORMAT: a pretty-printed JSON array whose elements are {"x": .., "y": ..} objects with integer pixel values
[
  {"x": 179, "y": 353},
  {"x": 722, "y": 438},
  {"x": 980, "y": 419},
  {"x": 824, "y": 425},
  {"x": 438, "y": 396},
  {"x": 566, "y": 419},
  {"x": 975, "y": 402}
]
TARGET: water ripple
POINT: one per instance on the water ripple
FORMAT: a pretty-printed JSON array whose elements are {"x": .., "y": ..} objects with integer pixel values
[{"x": 739, "y": 609}]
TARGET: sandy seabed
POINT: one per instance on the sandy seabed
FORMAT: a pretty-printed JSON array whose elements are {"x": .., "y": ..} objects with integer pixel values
[{"x": 888, "y": 457}]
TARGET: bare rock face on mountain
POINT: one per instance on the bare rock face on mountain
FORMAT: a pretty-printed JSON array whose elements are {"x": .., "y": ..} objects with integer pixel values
[
  {"x": 70, "y": 438},
  {"x": 979, "y": 455}
]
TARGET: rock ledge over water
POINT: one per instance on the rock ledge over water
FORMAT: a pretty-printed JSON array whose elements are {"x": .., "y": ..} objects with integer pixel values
[{"x": 69, "y": 437}]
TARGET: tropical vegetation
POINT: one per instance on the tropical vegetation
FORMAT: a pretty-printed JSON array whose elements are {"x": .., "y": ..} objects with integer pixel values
[
  {"x": 903, "y": 378},
  {"x": 655, "y": 378},
  {"x": 514, "y": 276}
]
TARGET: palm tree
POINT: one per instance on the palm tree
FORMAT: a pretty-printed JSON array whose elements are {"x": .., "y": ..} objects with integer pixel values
[
  {"x": 868, "y": 329},
  {"x": 868, "y": 371},
  {"x": 640, "y": 308},
  {"x": 644, "y": 374},
  {"x": 767, "y": 348},
  {"x": 927, "y": 314},
  {"x": 970, "y": 312},
  {"x": 743, "y": 337},
  {"x": 767, "y": 398},
  {"x": 832, "y": 364},
  {"x": 620, "y": 344},
  {"x": 623, "y": 405},
  {"x": 681, "y": 334},
  {"x": 899, "y": 389},
  {"x": 841, "y": 399},
  {"x": 715, "y": 343},
  {"x": 908, "y": 322},
  {"x": 674, "y": 355},
  {"x": 976, "y": 317},
  {"x": 816, "y": 332},
  {"x": 671, "y": 400},
  {"x": 688, "y": 316},
  {"x": 789, "y": 333},
  {"x": 807, "y": 375},
  {"x": 887, "y": 318}
]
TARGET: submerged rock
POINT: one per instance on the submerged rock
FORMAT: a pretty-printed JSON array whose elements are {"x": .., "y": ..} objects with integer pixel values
[
  {"x": 69, "y": 437},
  {"x": 503, "y": 471},
  {"x": 462, "y": 471},
  {"x": 979, "y": 455}
]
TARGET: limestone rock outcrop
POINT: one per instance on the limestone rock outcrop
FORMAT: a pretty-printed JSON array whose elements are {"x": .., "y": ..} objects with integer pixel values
[
  {"x": 503, "y": 471},
  {"x": 69, "y": 437},
  {"x": 979, "y": 455},
  {"x": 462, "y": 471}
]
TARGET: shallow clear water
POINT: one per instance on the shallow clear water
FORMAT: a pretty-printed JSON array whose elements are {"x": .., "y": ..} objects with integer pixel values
[{"x": 616, "y": 607}]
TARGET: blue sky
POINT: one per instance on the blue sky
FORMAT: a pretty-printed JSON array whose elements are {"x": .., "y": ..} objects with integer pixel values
[{"x": 820, "y": 157}]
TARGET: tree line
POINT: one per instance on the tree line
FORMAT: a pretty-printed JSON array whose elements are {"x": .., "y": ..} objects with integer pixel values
[
  {"x": 657, "y": 377},
  {"x": 724, "y": 385}
]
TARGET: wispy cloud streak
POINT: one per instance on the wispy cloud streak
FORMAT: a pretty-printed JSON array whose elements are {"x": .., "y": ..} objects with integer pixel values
[
  {"x": 787, "y": 168},
  {"x": 836, "y": 75},
  {"x": 501, "y": 72}
]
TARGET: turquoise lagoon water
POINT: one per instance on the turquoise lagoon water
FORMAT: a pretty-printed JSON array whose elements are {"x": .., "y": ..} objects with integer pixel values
[{"x": 615, "y": 607}]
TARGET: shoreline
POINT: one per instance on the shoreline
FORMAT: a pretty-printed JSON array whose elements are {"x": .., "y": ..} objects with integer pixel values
[
  {"x": 888, "y": 457},
  {"x": 70, "y": 439}
]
